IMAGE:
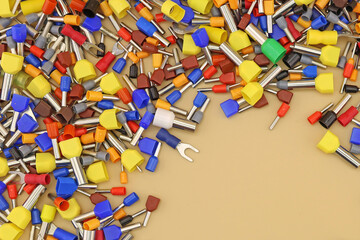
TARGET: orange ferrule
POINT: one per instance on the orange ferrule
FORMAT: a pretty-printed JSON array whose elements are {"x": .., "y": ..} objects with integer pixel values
[
  {"x": 269, "y": 7},
  {"x": 234, "y": 4},
  {"x": 303, "y": 23},
  {"x": 247, "y": 50},
  {"x": 69, "y": 131},
  {"x": 357, "y": 27},
  {"x": 236, "y": 93},
  {"x": 145, "y": 13},
  {"x": 28, "y": 138},
  {"x": 217, "y": 21},
  {"x": 142, "y": 54},
  {"x": 91, "y": 224},
  {"x": 180, "y": 80},
  {"x": 323, "y": 3},
  {"x": 162, "y": 104},
  {"x": 73, "y": 58},
  {"x": 152, "y": 41},
  {"x": 32, "y": 70},
  {"x": 100, "y": 134},
  {"x": 88, "y": 138},
  {"x": 114, "y": 154},
  {"x": 123, "y": 177},
  {"x": 72, "y": 20},
  {"x": 219, "y": 3},
  {"x": 119, "y": 214},
  {"x": 105, "y": 8},
  {"x": 56, "y": 75},
  {"x": 133, "y": 57},
  {"x": 52, "y": 130},
  {"x": 61, "y": 203},
  {"x": 295, "y": 76},
  {"x": 157, "y": 60},
  {"x": 94, "y": 96},
  {"x": 354, "y": 75},
  {"x": 243, "y": 82},
  {"x": 49, "y": 237}
]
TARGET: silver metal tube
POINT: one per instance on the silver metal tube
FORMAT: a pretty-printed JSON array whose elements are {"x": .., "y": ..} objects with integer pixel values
[
  {"x": 255, "y": 33},
  {"x": 301, "y": 84},
  {"x": 89, "y": 235},
  {"x": 6, "y": 86},
  {"x": 161, "y": 39},
  {"x": 231, "y": 53},
  {"x": 32, "y": 232},
  {"x": 84, "y": 216},
  {"x": 225, "y": 11},
  {"x": 56, "y": 150},
  {"x": 115, "y": 142},
  {"x": 342, "y": 152},
  {"x": 283, "y": 8},
  {"x": 178, "y": 110},
  {"x": 13, "y": 138},
  {"x": 200, "y": 21},
  {"x": 78, "y": 170},
  {"x": 300, "y": 48},
  {"x": 83, "y": 192},
  {"x": 184, "y": 125},
  {"x": 341, "y": 103},
  {"x": 53, "y": 102},
  {"x": 270, "y": 76},
  {"x": 166, "y": 88},
  {"x": 34, "y": 197},
  {"x": 137, "y": 136},
  {"x": 131, "y": 227},
  {"x": 87, "y": 121}
]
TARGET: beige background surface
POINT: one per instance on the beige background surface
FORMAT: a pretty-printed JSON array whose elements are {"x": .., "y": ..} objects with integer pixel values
[{"x": 247, "y": 182}]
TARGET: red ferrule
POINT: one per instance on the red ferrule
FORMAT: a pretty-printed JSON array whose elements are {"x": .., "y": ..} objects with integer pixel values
[
  {"x": 124, "y": 34},
  {"x": 99, "y": 235},
  {"x": 29, "y": 188},
  {"x": 139, "y": 7},
  {"x": 228, "y": 78},
  {"x": 38, "y": 52},
  {"x": 77, "y": 5},
  {"x": 220, "y": 88},
  {"x": 217, "y": 59},
  {"x": 104, "y": 63},
  {"x": 74, "y": 35},
  {"x": 124, "y": 95},
  {"x": 171, "y": 39},
  {"x": 348, "y": 69},
  {"x": 118, "y": 191},
  {"x": 345, "y": 118},
  {"x": 58, "y": 93},
  {"x": 314, "y": 117},
  {"x": 12, "y": 191},
  {"x": 133, "y": 126},
  {"x": 60, "y": 67},
  {"x": 283, "y": 109},
  {"x": 43, "y": 179},
  {"x": 80, "y": 131},
  {"x": 294, "y": 32},
  {"x": 48, "y": 120},
  {"x": 159, "y": 17},
  {"x": 256, "y": 13},
  {"x": 284, "y": 40},
  {"x": 52, "y": 130},
  {"x": 208, "y": 73},
  {"x": 49, "y": 6}
]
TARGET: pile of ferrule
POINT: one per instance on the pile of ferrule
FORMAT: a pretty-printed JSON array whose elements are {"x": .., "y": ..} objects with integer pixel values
[{"x": 65, "y": 115}]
